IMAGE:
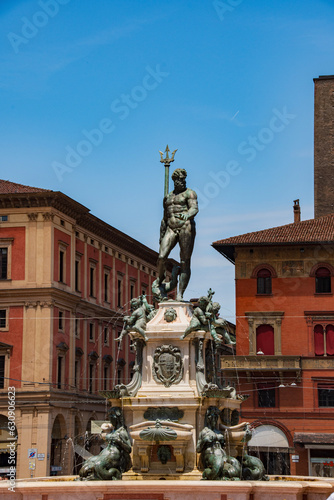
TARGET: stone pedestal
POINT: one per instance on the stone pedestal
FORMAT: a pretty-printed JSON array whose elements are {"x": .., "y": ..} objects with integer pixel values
[{"x": 173, "y": 377}]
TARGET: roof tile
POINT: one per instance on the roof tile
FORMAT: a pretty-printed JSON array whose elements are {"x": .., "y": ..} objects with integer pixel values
[
  {"x": 7, "y": 187},
  {"x": 307, "y": 231}
]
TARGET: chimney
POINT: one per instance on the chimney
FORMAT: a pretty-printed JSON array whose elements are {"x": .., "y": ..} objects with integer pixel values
[
  {"x": 323, "y": 145},
  {"x": 296, "y": 211}
]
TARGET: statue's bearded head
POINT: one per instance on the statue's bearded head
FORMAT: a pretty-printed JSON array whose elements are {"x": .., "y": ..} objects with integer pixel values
[{"x": 179, "y": 177}]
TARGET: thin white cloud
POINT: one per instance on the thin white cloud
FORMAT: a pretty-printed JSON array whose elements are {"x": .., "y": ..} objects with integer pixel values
[{"x": 18, "y": 69}]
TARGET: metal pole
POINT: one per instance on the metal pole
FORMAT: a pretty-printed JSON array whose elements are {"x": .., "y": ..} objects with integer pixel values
[{"x": 166, "y": 179}]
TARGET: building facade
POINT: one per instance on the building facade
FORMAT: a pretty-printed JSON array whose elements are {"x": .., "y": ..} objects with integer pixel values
[
  {"x": 285, "y": 323},
  {"x": 66, "y": 282}
]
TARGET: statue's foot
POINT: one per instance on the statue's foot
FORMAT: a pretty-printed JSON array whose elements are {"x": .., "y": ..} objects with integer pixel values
[{"x": 179, "y": 297}]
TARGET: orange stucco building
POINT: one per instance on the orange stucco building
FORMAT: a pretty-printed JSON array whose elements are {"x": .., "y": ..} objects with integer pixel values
[
  {"x": 285, "y": 323},
  {"x": 66, "y": 280}
]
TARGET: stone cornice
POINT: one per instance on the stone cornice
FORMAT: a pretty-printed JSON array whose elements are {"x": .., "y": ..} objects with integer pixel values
[
  {"x": 44, "y": 398},
  {"x": 84, "y": 219},
  {"x": 48, "y": 297}
]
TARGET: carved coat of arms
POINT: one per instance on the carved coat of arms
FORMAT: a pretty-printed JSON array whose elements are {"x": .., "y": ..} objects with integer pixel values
[{"x": 167, "y": 365}]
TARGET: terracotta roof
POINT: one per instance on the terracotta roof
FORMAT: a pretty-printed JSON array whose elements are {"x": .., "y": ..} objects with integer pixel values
[
  {"x": 320, "y": 230},
  {"x": 7, "y": 187}
]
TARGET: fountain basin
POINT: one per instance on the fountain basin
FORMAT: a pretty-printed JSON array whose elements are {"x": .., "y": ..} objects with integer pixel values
[{"x": 298, "y": 489}]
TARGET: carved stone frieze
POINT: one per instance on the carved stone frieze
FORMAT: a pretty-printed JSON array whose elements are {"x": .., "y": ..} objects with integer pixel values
[{"x": 318, "y": 363}]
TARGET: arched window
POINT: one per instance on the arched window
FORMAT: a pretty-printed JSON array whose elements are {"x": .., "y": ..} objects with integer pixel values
[
  {"x": 322, "y": 280},
  {"x": 265, "y": 340},
  {"x": 264, "y": 281}
]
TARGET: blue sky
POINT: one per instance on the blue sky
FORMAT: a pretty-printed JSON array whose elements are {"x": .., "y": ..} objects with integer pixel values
[{"x": 227, "y": 83}]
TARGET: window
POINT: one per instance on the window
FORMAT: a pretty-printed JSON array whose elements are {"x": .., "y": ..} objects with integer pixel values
[
  {"x": 3, "y": 263},
  {"x": 3, "y": 218},
  {"x": 105, "y": 377},
  {"x": 77, "y": 275},
  {"x": 91, "y": 331},
  {"x": 60, "y": 320},
  {"x": 326, "y": 395},
  {"x": 119, "y": 292},
  {"x": 77, "y": 367},
  {"x": 119, "y": 376},
  {"x": 91, "y": 374},
  {"x": 92, "y": 281},
  {"x": 322, "y": 280},
  {"x": 324, "y": 340},
  {"x": 264, "y": 282},
  {"x": 5, "y": 258},
  {"x": 3, "y": 318},
  {"x": 261, "y": 339},
  {"x": 61, "y": 266},
  {"x": 60, "y": 372},
  {"x": 76, "y": 328},
  {"x": 265, "y": 340},
  {"x": 106, "y": 287},
  {"x": 266, "y": 395},
  {"x": 2, "y": 372},
  {"x": 106, "y": 336},
  {"x": 76, "y": 372}
]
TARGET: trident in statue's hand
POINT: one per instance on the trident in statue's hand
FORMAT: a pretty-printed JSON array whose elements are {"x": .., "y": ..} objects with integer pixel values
[{"x": 167, "y": 161}]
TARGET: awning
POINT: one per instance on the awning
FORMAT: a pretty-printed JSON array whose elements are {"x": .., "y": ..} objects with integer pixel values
[
  {"x": 313, "y": 438},
  {"x": 268, "y": 436}
]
